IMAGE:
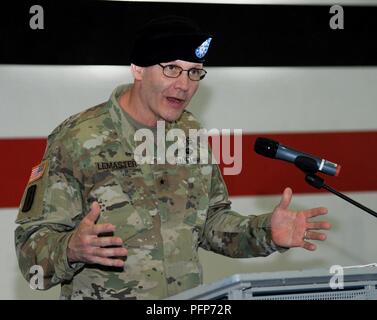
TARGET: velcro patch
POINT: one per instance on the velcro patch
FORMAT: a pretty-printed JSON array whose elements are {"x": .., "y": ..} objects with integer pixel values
[
  {"x": 37, "y": 171},
  {"x": 29, "y": 199}
]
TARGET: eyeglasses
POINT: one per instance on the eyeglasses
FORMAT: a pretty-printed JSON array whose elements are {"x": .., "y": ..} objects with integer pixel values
[{"x": 174, "y": 71}]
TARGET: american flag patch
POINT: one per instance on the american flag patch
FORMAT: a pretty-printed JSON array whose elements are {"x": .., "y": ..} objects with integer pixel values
[{"x": 37, "y": 171}]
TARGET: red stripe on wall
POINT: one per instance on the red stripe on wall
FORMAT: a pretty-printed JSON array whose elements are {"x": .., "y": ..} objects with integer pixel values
[
  {"x": 18, "y": 156},
  {"x": 355, "y": 151}
]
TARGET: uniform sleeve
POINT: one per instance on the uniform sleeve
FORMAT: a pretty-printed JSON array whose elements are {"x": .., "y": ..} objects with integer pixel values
[
  {"x": 228, "y": 233},
  {"x": 50, "y": 209}
]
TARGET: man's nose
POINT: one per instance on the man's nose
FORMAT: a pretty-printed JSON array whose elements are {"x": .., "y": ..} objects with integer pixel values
[{"x": 183, "y": 81}]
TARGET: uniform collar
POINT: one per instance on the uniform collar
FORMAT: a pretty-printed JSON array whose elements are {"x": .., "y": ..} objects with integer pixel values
[{"x": 124, "y": 128}]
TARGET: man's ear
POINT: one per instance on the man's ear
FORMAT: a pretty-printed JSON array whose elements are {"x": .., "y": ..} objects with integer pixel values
[{"x": 137, "y": 71}]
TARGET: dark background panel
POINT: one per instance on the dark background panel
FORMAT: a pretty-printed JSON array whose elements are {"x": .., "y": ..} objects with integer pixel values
[{"x": 101, "y": 32}]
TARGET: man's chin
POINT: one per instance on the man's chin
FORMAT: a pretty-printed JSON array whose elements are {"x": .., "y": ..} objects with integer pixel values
[{"x": 172, "y": 116}]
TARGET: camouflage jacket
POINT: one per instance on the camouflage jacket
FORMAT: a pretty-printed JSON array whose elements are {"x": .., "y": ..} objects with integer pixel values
[{"x": 162, "y": 212}]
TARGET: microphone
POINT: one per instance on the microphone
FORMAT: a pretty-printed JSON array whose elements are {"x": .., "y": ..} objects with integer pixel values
[{"x": 306, "y": 162}]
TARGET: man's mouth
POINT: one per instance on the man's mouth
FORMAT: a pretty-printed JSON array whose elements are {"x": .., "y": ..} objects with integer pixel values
[{"x": 175, "y": 101}]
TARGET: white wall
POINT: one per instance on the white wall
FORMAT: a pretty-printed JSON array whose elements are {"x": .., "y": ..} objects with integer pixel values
[
  {"x": 254, "y": 99},
  {"x": 34, "y": 99}
]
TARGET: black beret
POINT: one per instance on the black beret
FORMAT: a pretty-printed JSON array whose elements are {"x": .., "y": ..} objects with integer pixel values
[{"x": 167, "y": 39}]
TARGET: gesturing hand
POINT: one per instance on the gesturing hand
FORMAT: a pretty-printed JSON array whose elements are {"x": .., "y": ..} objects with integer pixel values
[
  {"x": 292, "y": 228},
  {"x": 86, "y": 246}
]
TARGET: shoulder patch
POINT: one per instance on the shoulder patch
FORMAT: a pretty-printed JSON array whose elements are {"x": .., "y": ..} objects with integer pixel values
[{"x": 37, "y": 171}]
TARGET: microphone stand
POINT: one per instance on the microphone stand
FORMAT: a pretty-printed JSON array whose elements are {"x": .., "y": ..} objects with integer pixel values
[{"x": 319, "y": 183}]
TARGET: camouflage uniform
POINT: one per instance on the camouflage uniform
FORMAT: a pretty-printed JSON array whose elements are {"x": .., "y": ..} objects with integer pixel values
[{"x": 163, "y": 212}]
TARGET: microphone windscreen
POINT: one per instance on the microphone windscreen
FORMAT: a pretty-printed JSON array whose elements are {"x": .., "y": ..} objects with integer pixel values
[{"x": 266, "y": 147}]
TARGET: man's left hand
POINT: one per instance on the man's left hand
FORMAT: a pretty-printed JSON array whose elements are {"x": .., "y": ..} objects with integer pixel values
[{"x": 293, "y": 228}]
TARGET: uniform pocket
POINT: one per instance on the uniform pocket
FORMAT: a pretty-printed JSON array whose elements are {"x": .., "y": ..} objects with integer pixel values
[
  {"x": 119, "y": 208},
  {"x": 182, "y": 193},
  {"x": 128, "y": 221}
]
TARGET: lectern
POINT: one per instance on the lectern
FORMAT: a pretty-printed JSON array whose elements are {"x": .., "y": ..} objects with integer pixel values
[{"x": 316, "y": 284}]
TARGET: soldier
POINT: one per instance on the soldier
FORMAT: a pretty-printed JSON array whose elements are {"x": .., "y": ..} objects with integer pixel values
[{"x": 105, "y": 226}]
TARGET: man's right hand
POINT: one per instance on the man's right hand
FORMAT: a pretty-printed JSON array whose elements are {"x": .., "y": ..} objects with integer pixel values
[{"x": 86, "y": 246}]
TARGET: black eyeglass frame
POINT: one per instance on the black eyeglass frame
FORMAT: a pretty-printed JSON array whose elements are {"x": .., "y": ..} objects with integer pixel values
[{"x": 181, "y": 70}]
